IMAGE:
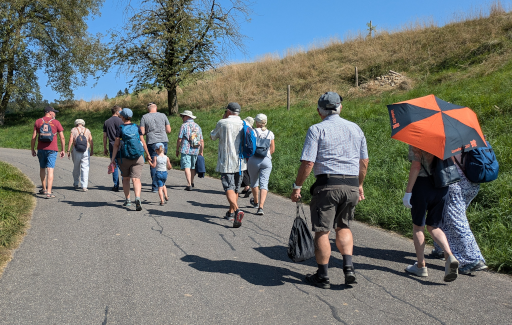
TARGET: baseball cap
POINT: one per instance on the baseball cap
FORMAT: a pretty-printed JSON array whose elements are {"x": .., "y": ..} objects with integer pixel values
[
  {"x": 50, "y": 109},
  {"x": 126, "y": 113},
  {"x": 329, "y": 101},
  {"x": 159, "y": 144},
  {"x": 233, "y": 107}
]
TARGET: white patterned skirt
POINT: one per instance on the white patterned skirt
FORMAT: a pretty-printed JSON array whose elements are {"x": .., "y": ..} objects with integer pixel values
[{"x": 456, "y": 225}]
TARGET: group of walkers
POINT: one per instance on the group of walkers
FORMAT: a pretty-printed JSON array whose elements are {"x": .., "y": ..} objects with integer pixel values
[{"x": 335, "y": 150}]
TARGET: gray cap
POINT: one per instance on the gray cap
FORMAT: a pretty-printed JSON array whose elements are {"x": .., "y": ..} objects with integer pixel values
[
  {"x": 329, "y": 101},
  {"x": 233, "y": 107},
  {"x": 126, "y": 113}
]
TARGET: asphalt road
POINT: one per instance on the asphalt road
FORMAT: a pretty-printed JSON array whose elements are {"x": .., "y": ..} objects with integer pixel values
[{"x": 88, "y": 260}]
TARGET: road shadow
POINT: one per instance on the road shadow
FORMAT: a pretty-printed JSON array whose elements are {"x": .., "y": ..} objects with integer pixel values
[
  {"x": 280, "y": 253},
  {"x": 95, "y": 204},
  {"x": 254, "y": 273},
  {"x": 192, "y": 216},
  {"x": 208, "y": 205},
  {"x": 209, "y": 192}
]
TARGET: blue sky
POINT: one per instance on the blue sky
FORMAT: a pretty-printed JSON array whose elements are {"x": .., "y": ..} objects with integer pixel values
[{"x": 278, "y": 25}]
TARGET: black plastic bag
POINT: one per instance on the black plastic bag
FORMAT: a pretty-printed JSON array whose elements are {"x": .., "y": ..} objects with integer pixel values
[{"x": 301, "y": 245}]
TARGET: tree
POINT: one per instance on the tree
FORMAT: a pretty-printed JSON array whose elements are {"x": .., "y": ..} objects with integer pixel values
[
  {"x": 166, "y": 41},
  {"x": 47, "y": 35},
  {"x": 119, "y": 93},
  {"x": 371, "y": 29},
  {"x": 106, "y": 97},
  {"x": 126, "y": 92}
]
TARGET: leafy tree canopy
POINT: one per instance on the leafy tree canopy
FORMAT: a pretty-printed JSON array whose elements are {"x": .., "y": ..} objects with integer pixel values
[
  {"x": 167, "y": 40},
  {"x": 50, "y": 35}
]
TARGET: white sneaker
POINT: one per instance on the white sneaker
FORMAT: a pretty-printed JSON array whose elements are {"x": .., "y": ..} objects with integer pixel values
[
  {"x": 419, "y": 271},
  {"x": 451, "y": 269}
]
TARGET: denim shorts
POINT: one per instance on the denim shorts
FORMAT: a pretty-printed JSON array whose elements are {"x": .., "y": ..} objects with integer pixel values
[
  {"x": 161, "y": 178},
  {"x": 47, "y": 158},
  {"x": 188, "y": 161}
]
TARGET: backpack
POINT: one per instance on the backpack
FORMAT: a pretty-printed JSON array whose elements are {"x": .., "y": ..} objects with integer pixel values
[
  {"x": 81, "y": 142},
  {"x": 480, "y": 164},
  {"x": 262, "y": 146},
  {"x": 194, "y": 140},
  {"x": 130, "y": 146},
  {"x": 45, "y": 131},
  {"x": 248, "y": 142}
]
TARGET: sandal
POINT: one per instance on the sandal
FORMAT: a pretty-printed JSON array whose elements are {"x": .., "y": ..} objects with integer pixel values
[
  {"x": 50, "y": 196},
  {"x": 41, "y": 191},
  {"x": 162, "y": 203},
  {"x": 166, "y": 199}
]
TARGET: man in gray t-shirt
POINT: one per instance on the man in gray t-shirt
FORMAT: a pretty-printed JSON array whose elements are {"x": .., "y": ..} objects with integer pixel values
[{"x": 156, "y": 127}]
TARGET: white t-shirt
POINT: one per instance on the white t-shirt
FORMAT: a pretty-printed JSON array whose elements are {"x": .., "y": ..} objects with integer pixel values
[{"x": 265, "y": 135}]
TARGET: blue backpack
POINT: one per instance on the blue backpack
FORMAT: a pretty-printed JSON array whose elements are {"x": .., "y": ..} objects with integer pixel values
[
  {"x": 45, "y": 131},
  {"x": 130, "y": 146},
  {"x": 248, "y": 142},
  {"x": 481, "y": 165}
]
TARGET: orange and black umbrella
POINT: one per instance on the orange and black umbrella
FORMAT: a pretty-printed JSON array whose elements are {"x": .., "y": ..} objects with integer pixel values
[{"x": 435, "y": 126}]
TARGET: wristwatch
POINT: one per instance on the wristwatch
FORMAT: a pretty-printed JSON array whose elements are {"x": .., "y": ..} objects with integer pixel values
[{"x": 296, "y": 187}]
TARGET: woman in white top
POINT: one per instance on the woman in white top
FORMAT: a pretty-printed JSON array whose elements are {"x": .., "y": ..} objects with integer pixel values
[
  {"x": 81, "y": 141},
  {"x": 259, "y": 166}
]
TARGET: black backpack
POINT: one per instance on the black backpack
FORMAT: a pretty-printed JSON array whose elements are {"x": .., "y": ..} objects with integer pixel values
[{"x": 81, "y": 142}]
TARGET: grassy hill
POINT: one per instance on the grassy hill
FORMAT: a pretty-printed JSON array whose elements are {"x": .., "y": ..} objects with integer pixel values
[{"x": 468, "y": 63}]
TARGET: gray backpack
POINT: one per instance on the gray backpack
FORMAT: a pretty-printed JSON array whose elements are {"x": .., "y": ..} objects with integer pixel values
[{"x": 262, "y": 145}]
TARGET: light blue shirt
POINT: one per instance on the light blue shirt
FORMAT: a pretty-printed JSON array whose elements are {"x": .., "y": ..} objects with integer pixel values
[{"x": 335, "y": 145}]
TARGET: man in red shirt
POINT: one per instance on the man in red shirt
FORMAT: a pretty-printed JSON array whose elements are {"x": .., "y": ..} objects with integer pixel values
[{"x": 47, "y": 148}]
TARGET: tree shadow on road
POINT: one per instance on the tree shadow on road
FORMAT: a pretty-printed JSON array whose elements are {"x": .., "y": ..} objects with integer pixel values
[
  {"x": 192, "y": 216},
  {"x": 254, "y": 273}
]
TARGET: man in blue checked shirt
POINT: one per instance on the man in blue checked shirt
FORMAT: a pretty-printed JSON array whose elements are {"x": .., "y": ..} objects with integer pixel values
[{"x": 335, "y": 149}]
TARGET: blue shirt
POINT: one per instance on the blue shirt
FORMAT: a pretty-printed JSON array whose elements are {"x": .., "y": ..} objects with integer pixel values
[{"x": 335, "y": 145}]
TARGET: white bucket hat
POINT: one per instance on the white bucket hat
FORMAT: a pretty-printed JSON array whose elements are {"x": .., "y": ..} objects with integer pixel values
[{"x": 188, "y": 113}]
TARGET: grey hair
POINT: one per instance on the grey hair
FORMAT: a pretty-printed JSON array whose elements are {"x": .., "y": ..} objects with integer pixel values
[{"x": 325, "y": 112}]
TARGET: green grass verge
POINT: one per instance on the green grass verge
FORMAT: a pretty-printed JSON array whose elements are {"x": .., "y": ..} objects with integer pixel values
[
  {"x": 16, "y": 205},
  {"x": 490, "y": 214}
]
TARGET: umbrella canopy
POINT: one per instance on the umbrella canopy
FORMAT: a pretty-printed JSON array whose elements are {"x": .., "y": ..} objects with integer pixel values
[{"x": 435, "y": 126}]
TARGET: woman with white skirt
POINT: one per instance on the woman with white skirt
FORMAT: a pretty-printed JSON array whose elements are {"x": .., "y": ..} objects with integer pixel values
[
  {"x": 259, "y": 166},
  {"x": 81, "y": 142}
]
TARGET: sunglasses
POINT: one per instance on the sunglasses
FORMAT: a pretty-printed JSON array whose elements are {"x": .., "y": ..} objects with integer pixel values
[{"x": 151, "y": 104}]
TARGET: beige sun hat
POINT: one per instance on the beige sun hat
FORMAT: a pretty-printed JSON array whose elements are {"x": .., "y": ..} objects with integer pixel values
[
  {"x": 188, "y": 113},
  {"x": 79, "y": 121}
]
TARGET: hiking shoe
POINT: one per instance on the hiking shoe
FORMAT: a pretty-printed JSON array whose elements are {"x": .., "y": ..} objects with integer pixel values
[
  {"x": 350, "y": 274},
  {"x": 451, "y": 269},
  {"x": 188, "y": 188},
  {"x": 138, "y": 207},
  {"x": 254, "y": 205},
  {"x": 247, "y": 193},
  {"x": 260, "y": 212},
  {"x": 436, "y": 254},
  {"x": 192, "y": 184},
  {"x": 76, "y": 187},
  {"x": 473, "y": 267},
  {"x": 127, "y": 203},
  {"x": 230, "y": 216},
  {"x": 115, "y": 189},
  {"x": 418, "y": 271},
  {"x": 239, "y": 215},
  {"x": 317, "y": 281}
]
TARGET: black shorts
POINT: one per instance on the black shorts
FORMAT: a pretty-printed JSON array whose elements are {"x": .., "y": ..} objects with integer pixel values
[
  {"x": 426, "y": 199},
  {"x": 332, "y": 206}
]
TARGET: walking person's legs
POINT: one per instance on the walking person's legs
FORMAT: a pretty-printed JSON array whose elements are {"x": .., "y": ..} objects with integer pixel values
[
  {"x": 231, "y": 183},
  {"x": 49, "y": 179},
  {"x": 77, "y": 158},
  {"x": 264, "y": 176},
  {"x": 84, "y": 168},
  {"x": 152, "y": 171},
  {"x": 42, "y": 176},
  {"x": 115, "y": 174}
]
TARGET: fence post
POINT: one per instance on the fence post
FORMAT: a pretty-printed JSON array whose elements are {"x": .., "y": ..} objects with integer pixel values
[
  {"x": 288, "y": 98},
  {"x": 357, "y": 78}
]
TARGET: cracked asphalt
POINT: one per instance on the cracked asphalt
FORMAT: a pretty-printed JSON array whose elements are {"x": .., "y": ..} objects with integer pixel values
[{"x": 88, "y": 260}]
